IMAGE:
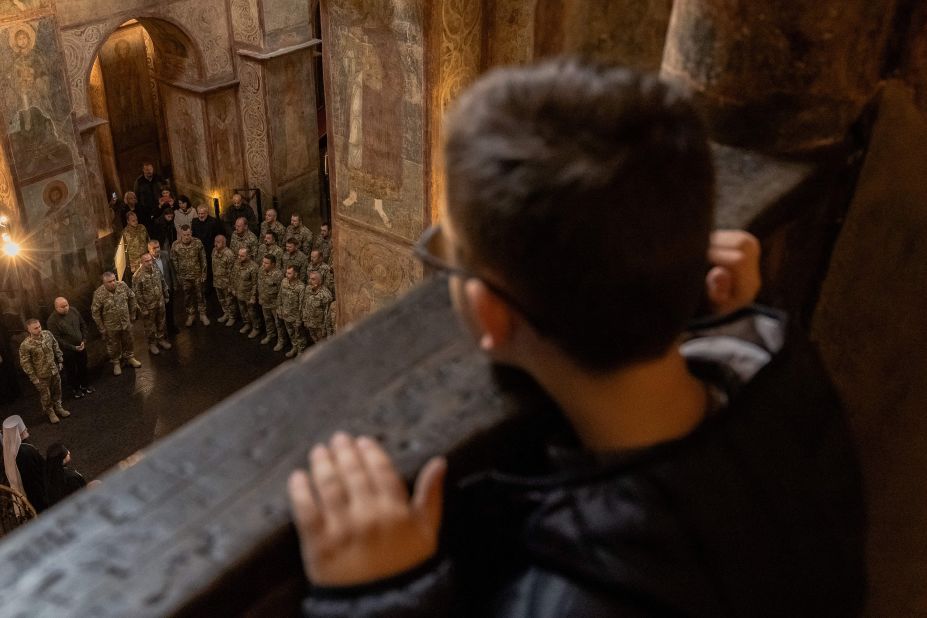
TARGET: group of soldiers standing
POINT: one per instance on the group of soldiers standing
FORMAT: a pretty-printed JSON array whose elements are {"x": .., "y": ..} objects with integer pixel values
[
  {"x": 284, "y": 282},
  {"x": 261, "y": 281}
]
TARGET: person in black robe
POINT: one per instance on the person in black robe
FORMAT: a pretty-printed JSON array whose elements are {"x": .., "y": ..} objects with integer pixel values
[
  {"x": 23, "y": 463},
  {"x": 148, "y": 191},
  {"x": 60, "y": 479}
]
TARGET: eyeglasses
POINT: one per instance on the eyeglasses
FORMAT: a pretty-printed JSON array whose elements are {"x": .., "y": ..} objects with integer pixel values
[{"x": 431, "y": 249}]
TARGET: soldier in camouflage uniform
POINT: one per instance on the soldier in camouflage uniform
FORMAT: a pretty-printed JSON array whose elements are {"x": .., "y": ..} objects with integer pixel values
[
  {"x": 296, "y": 258},
  {"x": 269, "y": 280},
  {"x": 289, "y": 310},
  {"x": 270, "y": 224},
  {"x": 268, "y": 246},
  {"x": 244, "y": 287},
  {"x": 189, "y": 259},
  {"x": 316, "y": 301},
  {"x": 151, "y": 294},
  {"x": 323, "y": 243},
  {"x": 42, "y": 360},
  {"x": 135, "y": 241},
  {"x": 223, "y": 260},
  {"x": 243, "y": 237},
  {"x": 325, "y": 271},
  {"x": 112, "y": 309},
  {"x": 300, "y": 232}
]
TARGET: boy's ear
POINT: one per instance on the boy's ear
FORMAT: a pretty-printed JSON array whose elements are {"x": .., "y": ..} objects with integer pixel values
[{"x": 491, "y": 315}]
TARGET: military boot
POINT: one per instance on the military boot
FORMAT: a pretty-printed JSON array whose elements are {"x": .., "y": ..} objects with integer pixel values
[
  {"x": 117, "y": 369},
  {"x": 279, "y": 345},
  {"x": 153, "y": 348},
  {"x": 291, "y": 353},
  {"x": 52, "y": 417},
  {"x": 230, "y": 321},
  {"x": 222, "y": 318},
  {"x": 133, "y": 362},
  {"x": 61, "y": 411},
  {"x": 190, "y": 319},
  {"x": 164, "y": 343},
  {"x": 204, "y": 319},
  {"x": 265, "y": 340},
  {"x": 244, "y": 329}
]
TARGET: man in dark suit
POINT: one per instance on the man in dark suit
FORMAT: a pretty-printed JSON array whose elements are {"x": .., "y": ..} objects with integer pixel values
[
  {"x": 162, "y": 261},
  {"x": 148, "y": 191}
]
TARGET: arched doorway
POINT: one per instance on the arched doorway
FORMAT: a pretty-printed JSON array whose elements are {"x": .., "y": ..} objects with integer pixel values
[{"x": 147, "y": 82}]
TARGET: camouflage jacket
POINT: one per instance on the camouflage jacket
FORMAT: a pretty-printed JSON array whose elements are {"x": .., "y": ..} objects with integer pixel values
[
  {"x": 325, "y": 246},
  {"x": 150, "y": 288},
  {"x": 247, "y": 240},
  {"x": 40, "y": 356},
  {"x": 303, "y": 236},
  {"x": 276, "y": 227},
  {"x": 136, "y": 244},
  {"x": 315, "y": 307},
  {"x": 325, "y": 271},
  {"x": 298, "y": 260},
  {"x": 222, "y": 264},
  {"x": 112, "y": 310},
  {"x": 244, "y": 280},
  {"x": 269, "y": 287},
  {"x": 290, "y": 300},
  {"x": 274, "y": 250},
  {"x": 189, "y": 260}
]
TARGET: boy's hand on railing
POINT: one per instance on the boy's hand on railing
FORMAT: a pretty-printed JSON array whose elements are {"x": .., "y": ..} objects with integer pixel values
[{"x": 355, "y": 519}]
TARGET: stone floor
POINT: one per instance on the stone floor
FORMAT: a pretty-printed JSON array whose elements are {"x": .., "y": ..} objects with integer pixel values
[{"x": 129, "y": 412}]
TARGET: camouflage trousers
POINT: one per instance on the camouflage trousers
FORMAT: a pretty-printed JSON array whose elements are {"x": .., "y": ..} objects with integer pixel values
[
  {"x": 271, "y": 321},
  {"x": 193, "y": 299},
  {"x": 249, "y": 313},
  {"x": 294, "y": 331},
  {"x": 226, "y": 301},
  {"x": 119, "y": 345},
  {"x": 49, "y": 392},
  {"x": 154, "y": 323},
  {"x": 317, "y": 333}
]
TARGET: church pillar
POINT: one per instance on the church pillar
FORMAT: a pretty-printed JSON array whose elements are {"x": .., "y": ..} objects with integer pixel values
[
  {"x": 278, "y": 104},
  {"x": 778, "y": 75},
  {"x": 623, "y": 32}
]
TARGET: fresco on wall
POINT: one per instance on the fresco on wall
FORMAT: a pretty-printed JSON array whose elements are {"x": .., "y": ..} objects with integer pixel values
[
  {"x": 125, "y": 71},
  {"x": 35, "y": 99},
  {"x": 17, "y": 8},
  {"x": 224, "y": 133},
  {"x": 372, "y": 272},
  {"x": 184, "y": 115},
  {"x": 175, "y": 57},
  {"x": 377, "y": 115},
  {"x": 292, "y": 116}
]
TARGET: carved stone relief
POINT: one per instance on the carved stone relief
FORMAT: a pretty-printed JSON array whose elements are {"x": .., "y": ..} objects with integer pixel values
[{"x": 254, "y": 122}]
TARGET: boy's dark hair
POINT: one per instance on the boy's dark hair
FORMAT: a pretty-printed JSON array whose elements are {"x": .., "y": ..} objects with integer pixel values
[{"x": 586, "y": 192}]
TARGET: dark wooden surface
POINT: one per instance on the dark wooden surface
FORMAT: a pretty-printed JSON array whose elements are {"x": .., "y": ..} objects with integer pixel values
[{"x": 200, "y": 522}]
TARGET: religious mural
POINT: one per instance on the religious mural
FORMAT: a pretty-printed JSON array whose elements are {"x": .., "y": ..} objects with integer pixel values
[
  {"x": 224, "y": 132},
  {"x": 17, "y": 8},
  {"x": 292, "y": 115},
  {"x": 377, "y": 115},
  {"x": 184, "y": 115},
  {"x": 35, "y": 99}
]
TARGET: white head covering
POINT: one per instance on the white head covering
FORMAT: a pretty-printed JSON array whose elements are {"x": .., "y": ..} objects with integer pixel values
[{"x": 13, "y": 427}]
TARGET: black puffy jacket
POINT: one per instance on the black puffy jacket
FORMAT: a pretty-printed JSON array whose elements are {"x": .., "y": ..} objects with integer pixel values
[{"x": 758, "y": 512}]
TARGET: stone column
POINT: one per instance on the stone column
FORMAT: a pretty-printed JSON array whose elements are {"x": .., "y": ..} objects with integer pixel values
[
  {"x": 778, "y": 75},
  {"x": 278, "y": 106},
  {"x": 622, "y": 32}
]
